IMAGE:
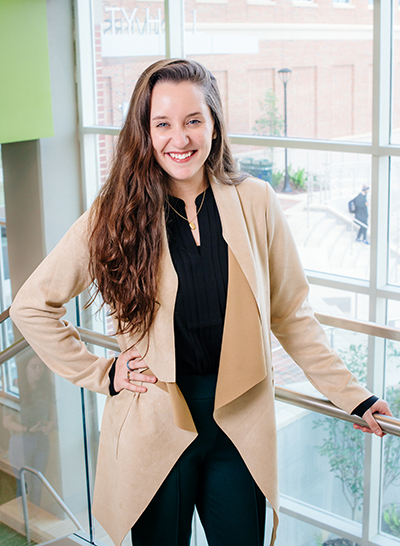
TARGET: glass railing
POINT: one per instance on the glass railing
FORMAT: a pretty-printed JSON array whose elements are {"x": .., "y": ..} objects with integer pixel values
[{"x": 52, "y": 427}]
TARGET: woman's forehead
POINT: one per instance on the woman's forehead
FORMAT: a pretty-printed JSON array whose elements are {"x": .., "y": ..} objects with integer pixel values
[{"x": 179, "y": 96}]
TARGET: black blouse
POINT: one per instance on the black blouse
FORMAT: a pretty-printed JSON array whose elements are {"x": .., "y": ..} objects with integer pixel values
[{"x": 203, "y": 282}]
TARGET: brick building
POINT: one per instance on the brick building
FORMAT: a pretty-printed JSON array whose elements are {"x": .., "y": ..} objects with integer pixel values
[{"x": 327, "y": 44}]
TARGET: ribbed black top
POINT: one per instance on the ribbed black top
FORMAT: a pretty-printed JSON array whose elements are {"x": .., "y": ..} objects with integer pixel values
[{"x": 203, "y": 282}]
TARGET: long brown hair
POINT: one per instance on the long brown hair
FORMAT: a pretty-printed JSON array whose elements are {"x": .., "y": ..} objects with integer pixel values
[{"x": 128, "y": 214}]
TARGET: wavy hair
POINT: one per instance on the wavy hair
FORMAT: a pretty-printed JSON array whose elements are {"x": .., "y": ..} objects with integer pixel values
[{"x": 127, "y": 217}]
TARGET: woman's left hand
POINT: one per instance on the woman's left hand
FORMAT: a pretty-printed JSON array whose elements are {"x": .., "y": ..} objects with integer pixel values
[{"x": 381, "y": 407}]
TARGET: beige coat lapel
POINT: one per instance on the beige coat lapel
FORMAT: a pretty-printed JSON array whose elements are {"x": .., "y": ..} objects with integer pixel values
[
  {"x": 234, "y": 229},
  {"x": 242, "y": 363}
]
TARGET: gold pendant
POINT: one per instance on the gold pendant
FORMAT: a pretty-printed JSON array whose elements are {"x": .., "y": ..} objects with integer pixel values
[{"x": 192, "y": 226}]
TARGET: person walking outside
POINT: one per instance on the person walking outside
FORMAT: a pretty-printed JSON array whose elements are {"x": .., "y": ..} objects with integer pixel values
[{"x": 361, "y": 215}]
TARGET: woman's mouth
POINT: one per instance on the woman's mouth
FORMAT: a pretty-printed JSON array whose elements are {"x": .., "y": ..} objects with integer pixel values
[{"x": 181, "y": 156}]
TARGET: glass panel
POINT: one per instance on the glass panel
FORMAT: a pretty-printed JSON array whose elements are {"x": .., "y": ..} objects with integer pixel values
[
  {"x": 328, "y": 54},
  {"x": 42, "y": 430},
  {"x": 5, "y": 284},
  {"x": 106, "y": 144},
  {"x": 390, "y": 516},
  {"x": 317, "y": 204},
  {"x": 394, "y": 223},
  {"x": 11, "y": 377},
  {"x": 395, "y": 125},
  {"x": 99, "y": 153},
  {"x": 8, "y": 370},
  {"x": 331, "y": 301},
  {"x": 297, "y": 533},
  {"x": 321, "y": 461},
  {"x": 127, "y": 38}
]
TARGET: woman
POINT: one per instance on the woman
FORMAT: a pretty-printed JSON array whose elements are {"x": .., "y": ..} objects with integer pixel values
[{"x": 197, "y": 265}]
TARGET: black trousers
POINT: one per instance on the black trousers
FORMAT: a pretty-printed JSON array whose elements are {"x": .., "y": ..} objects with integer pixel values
[
  {"x": 210, "y": 475},
  {"x": 362, "y": 233}
]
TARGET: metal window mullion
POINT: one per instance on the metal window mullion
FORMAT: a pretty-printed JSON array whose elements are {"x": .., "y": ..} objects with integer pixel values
[
  {"x": 314, "y": 144},
  {"x": 87, "y": 96},
  {"x": 174, "y": 29},
  {"x": 90, "y": 167},
  {"x": 379, "y": 251},
  {"x": 85, "y": 62}
]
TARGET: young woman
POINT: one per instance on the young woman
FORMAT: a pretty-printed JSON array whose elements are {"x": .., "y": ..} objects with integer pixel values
[{"x": 197, "y": 265}]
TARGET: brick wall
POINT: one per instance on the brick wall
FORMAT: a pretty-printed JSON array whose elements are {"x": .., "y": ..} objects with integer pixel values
[{"x": 329, "y": 94}]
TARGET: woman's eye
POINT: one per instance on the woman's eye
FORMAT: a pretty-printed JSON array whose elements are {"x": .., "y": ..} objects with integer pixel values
[
  {"x": 162, "y": 124},
  {"x": 194, "y": 121}
]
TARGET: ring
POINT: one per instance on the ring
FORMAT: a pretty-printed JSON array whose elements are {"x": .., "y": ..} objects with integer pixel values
[
  {"x": 128, "y": 374},
  {"x": 127, "y": 365}
]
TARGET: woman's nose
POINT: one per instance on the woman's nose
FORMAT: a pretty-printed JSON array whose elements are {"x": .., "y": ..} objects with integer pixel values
[{"x": 179, "y": 137}]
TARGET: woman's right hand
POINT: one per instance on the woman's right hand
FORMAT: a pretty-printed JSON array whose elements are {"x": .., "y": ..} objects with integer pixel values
[{"x": 138, "y": 365}]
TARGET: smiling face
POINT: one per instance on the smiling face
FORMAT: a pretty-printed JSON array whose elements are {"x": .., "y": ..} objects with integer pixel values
[
  {"x": 181, "y": 129},
  {"x": 34, "y": 370}
]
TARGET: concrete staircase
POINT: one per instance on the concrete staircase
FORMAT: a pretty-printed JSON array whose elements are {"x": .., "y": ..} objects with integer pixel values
[
  {"x": 325, "y": 239},
  {"x": 43, "y": 525}
]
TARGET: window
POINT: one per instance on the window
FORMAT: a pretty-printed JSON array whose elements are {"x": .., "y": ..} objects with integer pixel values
[
  {"x": 8, "y": 370},
  {"x": 335, "y": 146}
]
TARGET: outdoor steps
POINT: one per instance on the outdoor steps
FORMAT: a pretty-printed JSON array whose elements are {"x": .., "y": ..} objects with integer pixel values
[
  {"x": 43, "y": 525},
  {"x": 298, "y": 225},
  {"x": 328, "y": 244},
  {"x": 320, "y": 231}
]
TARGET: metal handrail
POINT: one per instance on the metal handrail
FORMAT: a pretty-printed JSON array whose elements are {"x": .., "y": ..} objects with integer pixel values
[
  {"x": 53, "y": 493},
  {"x": 362, "y": 327},
  {"x": 4, "y": 315},
  {"x": 13, "y": 350},
  {"x": 95, "y": 338},
  {"x": 390, "y": 425}
]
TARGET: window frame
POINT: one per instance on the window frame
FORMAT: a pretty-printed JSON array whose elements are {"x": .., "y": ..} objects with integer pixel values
[{"x": 376, "y": 288}]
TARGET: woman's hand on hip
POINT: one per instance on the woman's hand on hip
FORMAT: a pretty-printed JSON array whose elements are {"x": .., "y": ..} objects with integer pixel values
[
  {"x": 381, "y": 407},
  {"x": 128, "y": 372}
]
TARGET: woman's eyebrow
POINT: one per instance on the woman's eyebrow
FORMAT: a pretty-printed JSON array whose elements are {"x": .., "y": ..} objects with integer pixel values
[
  {"x": 159, "y": 117},
  {"x": 156, "y": 118}
]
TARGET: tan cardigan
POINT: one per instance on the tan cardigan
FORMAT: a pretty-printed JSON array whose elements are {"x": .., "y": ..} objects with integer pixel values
[{"x": 146, "y": 433}]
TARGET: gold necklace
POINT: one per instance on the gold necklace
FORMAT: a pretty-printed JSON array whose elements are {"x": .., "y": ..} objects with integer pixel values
[{"x": 191, "y": 222}]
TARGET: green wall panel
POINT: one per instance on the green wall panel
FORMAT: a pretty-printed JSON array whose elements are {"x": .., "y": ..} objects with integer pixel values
[{"x": 25, "y": 95}]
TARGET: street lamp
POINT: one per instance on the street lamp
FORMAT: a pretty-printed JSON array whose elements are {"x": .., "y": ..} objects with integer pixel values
[{"x": 284, "y": 75}]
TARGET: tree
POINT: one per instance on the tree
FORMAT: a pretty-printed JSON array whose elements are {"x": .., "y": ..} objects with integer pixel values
[
  {"x": 271, "y": 122},
  {"x": 344, "y": 446},
  {"x": 391, "y": 457}
]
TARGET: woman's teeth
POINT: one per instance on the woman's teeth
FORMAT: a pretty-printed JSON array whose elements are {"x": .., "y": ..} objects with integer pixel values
[{"x": 181, "y": 156}]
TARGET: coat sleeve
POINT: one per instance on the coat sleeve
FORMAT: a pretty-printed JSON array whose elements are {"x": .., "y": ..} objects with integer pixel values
[
  {"x": 293, "y": 321},
  {"x": 39, "y": 307}
]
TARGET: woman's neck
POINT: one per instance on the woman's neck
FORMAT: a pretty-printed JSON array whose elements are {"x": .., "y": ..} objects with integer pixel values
[{"x": 188, "y": 191}]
